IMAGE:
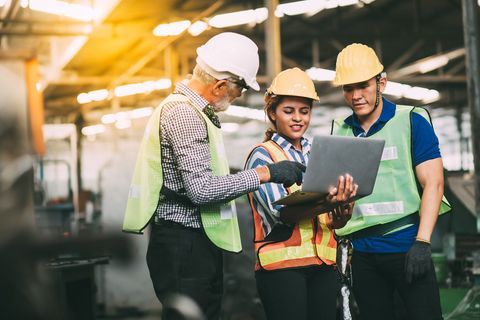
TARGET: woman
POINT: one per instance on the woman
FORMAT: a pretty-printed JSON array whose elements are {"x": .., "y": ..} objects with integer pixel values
[{"x": 294, "y": 263}]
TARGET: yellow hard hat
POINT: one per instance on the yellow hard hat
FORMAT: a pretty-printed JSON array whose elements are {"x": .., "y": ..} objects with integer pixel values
[
  {"x": 293, "y": 82},
  {"x": 356, "y": 63}
]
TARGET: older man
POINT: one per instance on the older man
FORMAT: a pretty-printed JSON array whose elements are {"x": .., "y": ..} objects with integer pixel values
[{"x": 181, "y": 184}]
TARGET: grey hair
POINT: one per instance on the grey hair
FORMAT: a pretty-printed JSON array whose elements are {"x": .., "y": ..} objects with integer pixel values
[{"x": 200, "y": 74}]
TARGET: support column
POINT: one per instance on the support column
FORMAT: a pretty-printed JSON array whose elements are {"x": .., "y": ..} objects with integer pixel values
[
  {"x": 315, "y": 53},
  {"x": 272, "y": 41},
  {"x": 470, "y": 34}
]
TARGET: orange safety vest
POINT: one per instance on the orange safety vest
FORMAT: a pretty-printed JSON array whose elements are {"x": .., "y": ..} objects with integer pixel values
[{"x": 311, "y": 242}]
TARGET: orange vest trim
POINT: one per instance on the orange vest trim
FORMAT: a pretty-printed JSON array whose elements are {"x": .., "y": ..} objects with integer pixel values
[{"x": 311, "y": 242}]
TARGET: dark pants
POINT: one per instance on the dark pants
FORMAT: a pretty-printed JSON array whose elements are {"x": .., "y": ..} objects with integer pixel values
[
  {"x": 300, "y": 294},
  {"x": 378, "y": 277},
  {"x": 183, "y": 260}
]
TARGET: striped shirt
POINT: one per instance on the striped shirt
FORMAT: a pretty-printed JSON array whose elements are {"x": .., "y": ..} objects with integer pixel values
[
  {"x": 186, "y": 163},
  {"x": 270, "y": 192}
]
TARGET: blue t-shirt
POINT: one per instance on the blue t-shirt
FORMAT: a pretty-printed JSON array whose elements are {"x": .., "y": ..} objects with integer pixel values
[{"x": 425, "y": 147}]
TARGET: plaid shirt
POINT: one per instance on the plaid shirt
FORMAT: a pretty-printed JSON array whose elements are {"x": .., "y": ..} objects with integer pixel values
[{"x": 186, "y": 163}]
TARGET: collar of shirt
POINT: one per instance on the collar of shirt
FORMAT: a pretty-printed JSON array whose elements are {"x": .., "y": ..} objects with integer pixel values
[
  {"x": 197, "y": 99},
  {"x": 388, "y": 112},
  {"x": 287, "y": 146}
]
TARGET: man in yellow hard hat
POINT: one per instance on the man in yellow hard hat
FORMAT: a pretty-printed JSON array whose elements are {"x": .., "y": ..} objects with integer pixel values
[
  {"x": 181, "y": 184},
  {"x": 391, "y": 228}
]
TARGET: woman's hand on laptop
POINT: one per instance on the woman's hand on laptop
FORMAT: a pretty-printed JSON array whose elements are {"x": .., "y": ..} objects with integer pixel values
[
  {"x": 339, "y": 198},
  {"x": 345, "y": 190}
]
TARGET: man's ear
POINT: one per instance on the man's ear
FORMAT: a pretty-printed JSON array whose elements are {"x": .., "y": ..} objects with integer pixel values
[
  {"x": 383, "y": 83},
  {"x": 219, "y": 87}
]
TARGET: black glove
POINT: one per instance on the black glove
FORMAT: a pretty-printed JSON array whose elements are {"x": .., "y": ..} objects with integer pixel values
[
  {"x": 286, "y": 172},
  {"x": 418, "y": 260}
]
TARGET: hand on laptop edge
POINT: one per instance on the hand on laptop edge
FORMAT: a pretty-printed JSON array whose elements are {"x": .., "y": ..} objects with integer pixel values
[
  {"x": 341, "y": 197},
  {"x": 338, "y": 204},
  {"x": 345, "y": 190}
]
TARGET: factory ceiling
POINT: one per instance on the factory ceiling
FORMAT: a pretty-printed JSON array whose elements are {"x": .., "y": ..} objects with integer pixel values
[{"x": 119, "y": 47}]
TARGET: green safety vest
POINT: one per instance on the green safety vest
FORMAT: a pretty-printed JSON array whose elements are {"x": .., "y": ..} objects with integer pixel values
[
  {"x": 395, "y": 194},
  {"x": 218, "y": 220}
]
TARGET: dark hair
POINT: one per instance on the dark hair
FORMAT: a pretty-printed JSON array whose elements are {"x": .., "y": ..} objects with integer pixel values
[{"x": 271, "y": 103}]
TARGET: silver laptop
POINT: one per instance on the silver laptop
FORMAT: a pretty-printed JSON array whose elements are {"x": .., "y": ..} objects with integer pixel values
[{"x": 332, "y": 156}]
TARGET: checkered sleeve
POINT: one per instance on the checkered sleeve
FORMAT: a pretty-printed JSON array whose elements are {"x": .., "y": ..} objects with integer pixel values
[{"x": 186, "y": 133}]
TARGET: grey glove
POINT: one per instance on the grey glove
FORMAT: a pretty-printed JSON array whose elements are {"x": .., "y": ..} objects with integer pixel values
[
  {"x": 286, "y": 172},
  {"x": 418, "y": 260}
]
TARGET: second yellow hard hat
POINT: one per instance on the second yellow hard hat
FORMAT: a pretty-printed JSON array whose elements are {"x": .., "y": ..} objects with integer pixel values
[
  {"x": 293, "y": 82},
  {"x": 356, "y": 63}
]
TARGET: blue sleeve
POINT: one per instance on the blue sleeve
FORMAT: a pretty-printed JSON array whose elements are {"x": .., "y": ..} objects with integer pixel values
[
  {"x": 425, "y": 141},
  {"x": 267, "y": 192}
]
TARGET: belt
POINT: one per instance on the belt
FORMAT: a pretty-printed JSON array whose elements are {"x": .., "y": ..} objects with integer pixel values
[
  {"x": 159, "y": 222},
  {"x": 381, "y": 229},
  {"x": 170, "y": 194}
]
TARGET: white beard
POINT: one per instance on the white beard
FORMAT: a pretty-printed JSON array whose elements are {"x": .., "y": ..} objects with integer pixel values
[{"x": 222, "y": 104}]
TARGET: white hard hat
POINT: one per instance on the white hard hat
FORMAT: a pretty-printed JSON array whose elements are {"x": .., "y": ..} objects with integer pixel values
[{"x": 230, "y": 53}]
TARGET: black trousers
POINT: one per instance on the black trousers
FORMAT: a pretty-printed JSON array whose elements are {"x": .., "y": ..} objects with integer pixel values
[
  {"x": 183, "y": 260},
  {"x": 378, "y": 278},
  {"x": 300, "y": 294}
]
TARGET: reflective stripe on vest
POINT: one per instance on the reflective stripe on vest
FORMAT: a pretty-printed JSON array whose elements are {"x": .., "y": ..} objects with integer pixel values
[
  {"x": 395, "y": 194},
  {"x": 298, "y": 250},
  {"x": 219, "y": 221}
]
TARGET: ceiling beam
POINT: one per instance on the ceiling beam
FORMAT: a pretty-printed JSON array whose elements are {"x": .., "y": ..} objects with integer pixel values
[
  {"x": 63, "y": 50},
  {"x": 44, "y": 22},
  {"x": 133, "y": 69},
  {"x": 416, "y": 67},
  {"x": 397, "y": 34},
  {"x": 406, "y": 55},
  {"x": 456, "y": 68},
  {"x": 329, "y": 18},
  {"x": 10, "y": 15},
  {"x": 375, "y": 11},
  {"x": 445, "y": 78},
  {"x": 441, "y": 13},
  {"x": 34, "y": 33},
  {"x": 95, "y": 80},
  {"x": 17, "y": 54}
]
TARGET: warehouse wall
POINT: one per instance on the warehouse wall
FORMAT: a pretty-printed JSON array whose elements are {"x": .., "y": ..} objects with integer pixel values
[{"x": 107, "y": 166}]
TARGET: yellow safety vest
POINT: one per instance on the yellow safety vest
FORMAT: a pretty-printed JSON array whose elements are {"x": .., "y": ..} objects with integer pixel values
[
  {"x": 218, "y": 220},
  {"x": 395, "y": 194},
  {"x": 311, "y": 242}
]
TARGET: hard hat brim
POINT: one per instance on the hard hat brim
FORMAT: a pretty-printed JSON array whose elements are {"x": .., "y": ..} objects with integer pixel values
[
  {"x": 359, "y": 78},
  {"x": 254, "y": 85}
]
